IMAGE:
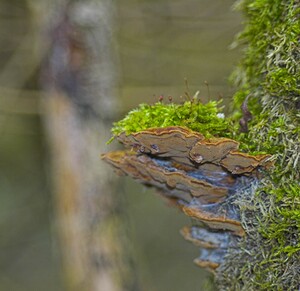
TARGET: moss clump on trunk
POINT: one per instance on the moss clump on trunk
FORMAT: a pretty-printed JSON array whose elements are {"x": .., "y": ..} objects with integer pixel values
[
  {"x": 269, "y": 72},
  {"x": 204, "y": 118}
]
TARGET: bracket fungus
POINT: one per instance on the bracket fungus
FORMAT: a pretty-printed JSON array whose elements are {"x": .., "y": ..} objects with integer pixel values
[{"x": 203, "y": 176}]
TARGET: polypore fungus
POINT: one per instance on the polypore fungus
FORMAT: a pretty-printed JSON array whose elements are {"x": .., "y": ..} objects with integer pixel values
[{"x": 203, "y": 177}]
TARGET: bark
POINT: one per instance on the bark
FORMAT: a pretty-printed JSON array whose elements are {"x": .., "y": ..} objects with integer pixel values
[{"x": 78, "y": 77}]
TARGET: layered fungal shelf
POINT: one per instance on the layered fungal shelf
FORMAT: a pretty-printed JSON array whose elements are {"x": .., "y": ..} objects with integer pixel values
[{"x": 204, "y": 177}]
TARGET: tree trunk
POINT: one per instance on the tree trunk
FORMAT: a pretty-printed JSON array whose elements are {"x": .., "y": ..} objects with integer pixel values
[{"x": 78, "y": 76}]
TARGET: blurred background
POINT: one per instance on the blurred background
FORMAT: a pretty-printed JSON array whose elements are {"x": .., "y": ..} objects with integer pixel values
[{"x": 68, "y": 69}]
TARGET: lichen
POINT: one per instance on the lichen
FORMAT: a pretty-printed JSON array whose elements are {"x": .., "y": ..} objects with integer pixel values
[{"x": 269, "y": 257}]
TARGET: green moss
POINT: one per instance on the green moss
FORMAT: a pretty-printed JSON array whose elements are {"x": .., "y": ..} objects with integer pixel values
[
  {"x": 194, "y": 115},
  {"x": 269, "y": 255},
  {"x": 271, "y": 59},
  {"x": 269, "y": 71}
]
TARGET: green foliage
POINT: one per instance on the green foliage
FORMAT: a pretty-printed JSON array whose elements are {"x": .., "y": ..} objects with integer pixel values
[{"x": 199, "y": 117}]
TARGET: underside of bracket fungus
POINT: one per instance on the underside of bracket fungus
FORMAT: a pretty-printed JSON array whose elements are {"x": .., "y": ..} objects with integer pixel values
[{"x": 202, "y": 176}]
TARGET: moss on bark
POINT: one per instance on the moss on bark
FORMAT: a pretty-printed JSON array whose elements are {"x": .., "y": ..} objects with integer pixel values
[{"x": 269, "y": 258}]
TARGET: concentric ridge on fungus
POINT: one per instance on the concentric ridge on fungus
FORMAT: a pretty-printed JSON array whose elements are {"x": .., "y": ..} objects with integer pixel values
[{"x": 203, "y": 176}]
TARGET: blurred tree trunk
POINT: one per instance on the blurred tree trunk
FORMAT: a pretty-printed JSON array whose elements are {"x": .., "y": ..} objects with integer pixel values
[{"x": 78, "y": 77}]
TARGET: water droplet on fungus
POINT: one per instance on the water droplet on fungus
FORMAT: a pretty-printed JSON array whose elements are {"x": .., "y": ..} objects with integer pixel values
[
  {"x": 198, "y": 159},
  {"x": 155, "y": 148}
]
